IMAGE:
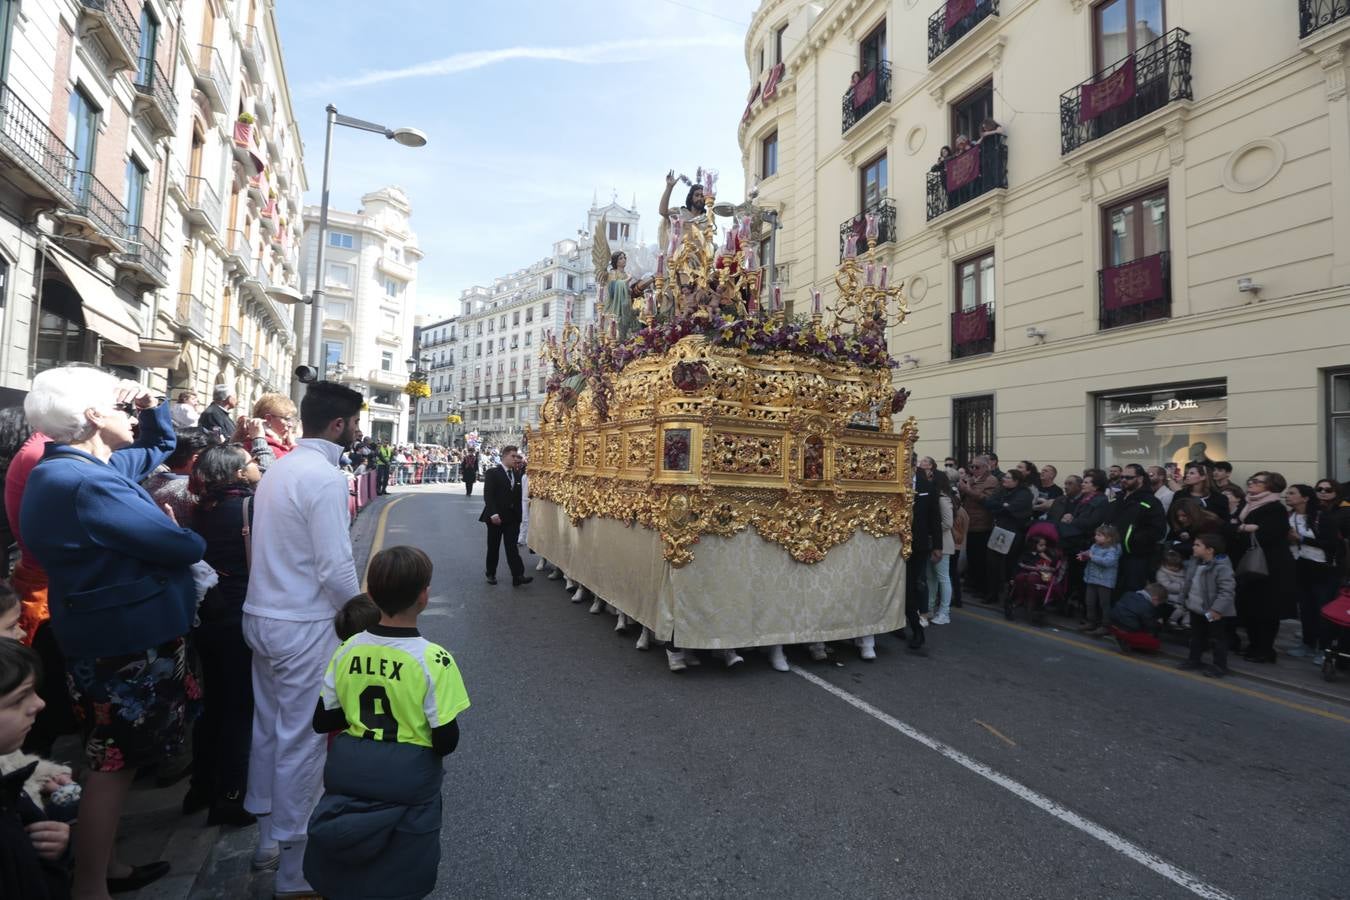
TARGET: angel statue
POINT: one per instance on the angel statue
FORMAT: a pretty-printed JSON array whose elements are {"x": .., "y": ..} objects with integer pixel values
[{"x": 617, "y": 287}]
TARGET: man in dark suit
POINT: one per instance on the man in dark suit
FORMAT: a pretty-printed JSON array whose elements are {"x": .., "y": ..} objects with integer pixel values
[
  {"x": 216, "y": 417},
  {"x": 502, "y": 513}
]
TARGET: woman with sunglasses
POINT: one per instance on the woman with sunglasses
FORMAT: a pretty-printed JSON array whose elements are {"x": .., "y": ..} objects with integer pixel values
[
  {"x": 1263, "y": 600},
  {"x": 1316, "y": 544}
]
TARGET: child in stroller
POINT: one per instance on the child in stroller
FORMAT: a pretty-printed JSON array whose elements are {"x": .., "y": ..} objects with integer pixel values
[{"x": 1040, "y": 577}]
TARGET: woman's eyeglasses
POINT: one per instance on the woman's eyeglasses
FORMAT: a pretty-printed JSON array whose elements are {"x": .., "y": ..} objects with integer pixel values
[{"x": 1325, "y": 489}]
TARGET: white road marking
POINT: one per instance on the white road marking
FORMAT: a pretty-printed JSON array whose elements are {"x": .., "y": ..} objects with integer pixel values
[{"x": 1092, "y": 829}]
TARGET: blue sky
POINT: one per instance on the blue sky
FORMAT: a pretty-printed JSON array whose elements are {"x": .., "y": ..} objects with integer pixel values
[{"x": 530, "y": 109}]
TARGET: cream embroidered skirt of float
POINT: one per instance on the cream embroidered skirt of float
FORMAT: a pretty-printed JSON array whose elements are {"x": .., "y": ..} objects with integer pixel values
[{"x": 741, "y": 591}]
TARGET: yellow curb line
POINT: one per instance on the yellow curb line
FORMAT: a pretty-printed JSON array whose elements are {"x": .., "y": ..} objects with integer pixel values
[{"x": 378, "y": 544}]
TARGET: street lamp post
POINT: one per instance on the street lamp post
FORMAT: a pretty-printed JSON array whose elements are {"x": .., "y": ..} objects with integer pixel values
[{"x": 408, "y": 137}]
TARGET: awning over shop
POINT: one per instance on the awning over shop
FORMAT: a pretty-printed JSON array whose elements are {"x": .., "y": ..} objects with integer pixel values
[
  {"x": 104, "y": 314},
  {"x": 152, "y": 355}
]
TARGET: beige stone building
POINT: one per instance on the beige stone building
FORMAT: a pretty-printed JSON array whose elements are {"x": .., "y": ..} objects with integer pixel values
[
  {"x": 1151, "y": 252},
  {"x": 150, "y": 182}
]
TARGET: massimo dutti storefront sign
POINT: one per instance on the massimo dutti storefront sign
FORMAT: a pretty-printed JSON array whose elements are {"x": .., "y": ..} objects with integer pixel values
[{"x": 1163, "y": 425}]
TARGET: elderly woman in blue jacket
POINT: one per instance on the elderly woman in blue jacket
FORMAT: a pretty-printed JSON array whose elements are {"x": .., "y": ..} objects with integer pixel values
[{"x": 121, "y": 594}]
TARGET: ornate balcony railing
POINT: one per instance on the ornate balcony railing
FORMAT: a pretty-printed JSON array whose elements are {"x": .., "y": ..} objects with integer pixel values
[
  {"x": 1155, "y": 75},
  {"x": 96, "y": 203},
  {"x": 1136, "y": 291},
  {"x": 872, "y": 89},
  {"x": 192, "y": 312},
  {"x": 973, "y": 331},
  {"x": 213, "y": 76},
  {"x": 977, "y": 171},
  {"x": 154, "y": 85},
  {"x": 884, "y": 210},
  {"x": 944, "y": 31},
  {"x": 255, "y": 56},
  {"x": 203, "y": 202},
  {"x": 123, "y": 30},
  {"x": 144, "y": 248},
  {"x": 36, "y": 149},
  {"x": 1315, "y": 14},
  {"x": 231, "y": 341}
]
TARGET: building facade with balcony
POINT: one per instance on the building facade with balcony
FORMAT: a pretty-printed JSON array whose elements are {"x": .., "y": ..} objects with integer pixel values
[
  {"x": 501, "y": 328},
  {"x": 101, "y": 138},
  {"x": 370, "y": 285},
  {"x": 1139, "y": 259},
  {"x": 438, "y": 348}
]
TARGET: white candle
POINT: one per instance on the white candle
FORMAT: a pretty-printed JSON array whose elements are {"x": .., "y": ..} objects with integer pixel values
[
  {"x": 871, "y": 273},
  {"x": 777, "y": 298},
  {"x": 815, "y": 303},
  {"x": 882, "y": 282}
]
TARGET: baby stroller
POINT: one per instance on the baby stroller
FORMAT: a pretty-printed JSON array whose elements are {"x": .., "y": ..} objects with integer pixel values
[
  {"x": 1038, "y": 585},
  {"x": 1336, "y": 621}
]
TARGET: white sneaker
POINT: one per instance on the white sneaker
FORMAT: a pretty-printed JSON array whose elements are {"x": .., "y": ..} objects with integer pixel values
[
  {"x": 541, "y": 565},
  {"x": 597, "y": 606},
  {"x": 644, "y": 640},
  {"x": 778, "y": 659},
  {"x": 579, "y": 594},
  {"x": 923, "y": 620},
  {"x": 941, "y": 619},
  {"x": 675, "y": 659},
  {"x": 290, "y": 880},
  {"x": 623, "y": 623},
  {"x": 867, "y": 647},
  {"x": 268, "y": 852},
  {"x": 818, "y": 652},
  {"x": 569, "y": 584},
  {"x": 555, "y": 575},
  {"x": 732, "y": 658}
]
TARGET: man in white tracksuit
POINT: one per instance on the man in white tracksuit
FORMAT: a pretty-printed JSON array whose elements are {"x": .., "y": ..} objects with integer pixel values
[{"x": 302, "y": 572}]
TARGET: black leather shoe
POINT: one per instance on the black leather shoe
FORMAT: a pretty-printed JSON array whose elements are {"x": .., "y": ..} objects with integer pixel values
[
  {"x": 230, "y": 811},
  {"x": 138, "y": 877},
  {"x": 517, "y": 582},
  {"x": 492, "y": 579}
]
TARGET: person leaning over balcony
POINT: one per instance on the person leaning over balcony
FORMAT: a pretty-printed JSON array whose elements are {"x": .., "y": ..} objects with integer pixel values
[
  {"x": 122, "y": 594},
  {"x": 988, "y": 127}
]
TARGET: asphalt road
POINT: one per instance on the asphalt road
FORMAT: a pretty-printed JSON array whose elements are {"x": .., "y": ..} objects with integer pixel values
[{"x": 1005, "y": 763}]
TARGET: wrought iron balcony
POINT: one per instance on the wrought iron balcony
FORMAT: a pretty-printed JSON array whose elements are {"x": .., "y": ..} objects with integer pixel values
[
  {"x": 255, "y": 54},
  {"x": 230, "y": 341},
  {"x": 973, "y": 331},
  {"x": 1315, "y": 14},
  {"x": 944, "y": 31},
  {"x": 43, "y": 167},
  {"x": 212, "y": 77},
  {"x": 977, "y": 171},
  {"x": 154, "y": 97},
  {"x": 872, "y": 90},
  {"x": 1126, "y": 91},
  {"x": 192, "y": 314},
  {"x": 102, "y": 214},
  {"x": 1136, "y": 291},
  {"x": 203, "y": 204},
  {"x": 117, "y": 30},
  {"x": 884, "y": 210},
  {"x": 145, "y": 254}
]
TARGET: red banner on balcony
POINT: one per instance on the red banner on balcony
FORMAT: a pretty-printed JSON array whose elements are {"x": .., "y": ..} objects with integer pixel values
[
  {"x": 963, "y": 169},
  {"x": 1134, "y": 282},
  {"x": 771, "y": 83},
  {"x": 750, "y": 102},
  {"x": 956, "y": 11},
  {"x": 1110, "y": 92},
  {"x": 865, "y": 89},
  {"x": 970, "y": 325}
]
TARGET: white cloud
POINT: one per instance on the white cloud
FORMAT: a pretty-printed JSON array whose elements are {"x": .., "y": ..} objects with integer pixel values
[{"x": 634, "y": 50}]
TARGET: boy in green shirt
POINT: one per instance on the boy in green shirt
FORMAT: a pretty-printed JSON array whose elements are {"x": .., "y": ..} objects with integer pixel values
[{"x": 394, "y": 696}]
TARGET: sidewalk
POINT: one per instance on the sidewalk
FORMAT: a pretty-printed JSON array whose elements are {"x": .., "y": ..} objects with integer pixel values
[
  {"x": 208, "y": 861},
  {"x": 1290, "y": 674}
]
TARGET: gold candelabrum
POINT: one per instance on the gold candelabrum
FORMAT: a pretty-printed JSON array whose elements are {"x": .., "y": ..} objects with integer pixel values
[
  {"x": 700, "y": 277},
  {"x": 866, "y": 300}
]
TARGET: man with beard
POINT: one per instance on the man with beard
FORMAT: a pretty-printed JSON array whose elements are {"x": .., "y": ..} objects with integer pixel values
[
  {"x": 302, "y": 572},
  {"x": 695, "y": 207}
]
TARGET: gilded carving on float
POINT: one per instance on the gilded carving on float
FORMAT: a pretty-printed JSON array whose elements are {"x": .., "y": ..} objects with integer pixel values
[{"x": 721, "y": 415}]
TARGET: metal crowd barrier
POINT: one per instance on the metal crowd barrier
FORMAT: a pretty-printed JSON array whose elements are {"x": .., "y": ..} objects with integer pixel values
[{"x": 423, "y": 473}]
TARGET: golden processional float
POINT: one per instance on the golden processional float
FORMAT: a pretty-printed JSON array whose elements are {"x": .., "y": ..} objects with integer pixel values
[{"x": 727, "y": 476}]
